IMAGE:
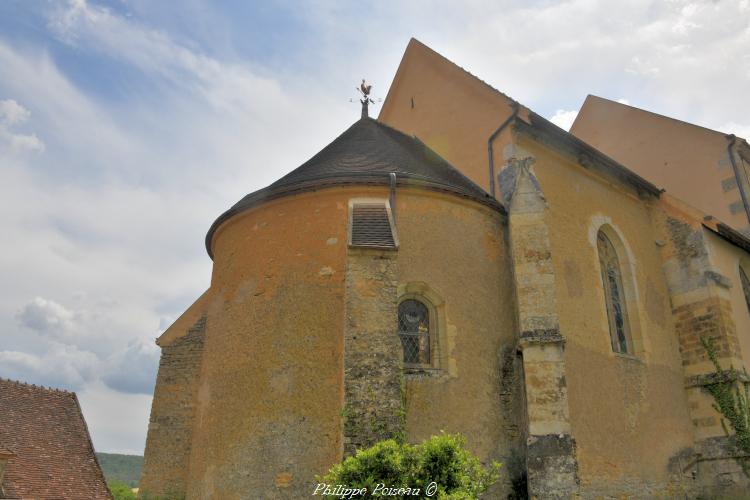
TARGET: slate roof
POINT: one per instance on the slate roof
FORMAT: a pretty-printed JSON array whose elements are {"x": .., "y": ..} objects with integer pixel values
[
  {"x": 54, "y": 457},
  {"x": 366, "y": 153}
]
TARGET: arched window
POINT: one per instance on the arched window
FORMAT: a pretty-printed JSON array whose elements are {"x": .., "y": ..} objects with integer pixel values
[
  {"x": 614, "y": 295},
  {"x": 745, "y": 287},
  {"x": 414, "y": 331}
]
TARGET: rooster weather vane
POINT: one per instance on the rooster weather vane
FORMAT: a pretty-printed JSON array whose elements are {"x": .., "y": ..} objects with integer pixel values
[{"x": 366, "y": 100}]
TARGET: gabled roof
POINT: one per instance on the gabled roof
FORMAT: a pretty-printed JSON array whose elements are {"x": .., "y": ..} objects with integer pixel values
[
  {"x": 595, "y": 103},
  {"x": 539, "y": 128},
  {"x": 366, "y": 153},
  {"x": 53, "y": 454}
]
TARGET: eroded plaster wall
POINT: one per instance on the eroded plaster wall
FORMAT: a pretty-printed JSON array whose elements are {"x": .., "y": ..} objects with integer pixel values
[
  {"x": 269, "y": 403},
  {"x": 690, "y": 162},
  {"x": 446, "y": 109},
  {"x": 453, "y": 253},
  {"x": 727, "y": 259}
]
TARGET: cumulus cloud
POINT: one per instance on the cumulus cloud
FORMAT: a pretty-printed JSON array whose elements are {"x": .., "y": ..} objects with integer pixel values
[
  {"x": 133, "y": 370},
  {"x": 47, "y": 318},
  {"x": 72, "y": 355},
  {"x": 60, "y": 366},
  {"x": 153, "y": 124},
  {"x": 13, "y": 114}
]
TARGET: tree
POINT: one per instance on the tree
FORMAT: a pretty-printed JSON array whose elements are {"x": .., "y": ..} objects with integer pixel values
[
  {"x": 440, "y": 467},
  {"x": 121, "y": 491}
]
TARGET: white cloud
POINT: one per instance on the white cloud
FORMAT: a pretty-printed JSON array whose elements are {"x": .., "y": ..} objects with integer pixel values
[
  {"x": 564, "y": 119},
  {"x": 118, "y": 422},
  {"x": 133, "y": 370},
  {"x": 12, "y": 114},
  {"x": 108, "y": 225},
  {"x": 108, "y": 222},
  {"x": 60, "y": 366},
  {"x": 47, "y": 317}
]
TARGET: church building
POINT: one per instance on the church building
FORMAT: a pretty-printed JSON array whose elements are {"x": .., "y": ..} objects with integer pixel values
[{"x": 461, "y": 264}]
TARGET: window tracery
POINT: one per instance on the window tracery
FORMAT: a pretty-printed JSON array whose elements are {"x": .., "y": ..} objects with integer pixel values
[
  {"x": 414, "y": 331},
  {"x": 614, "y": 295}
]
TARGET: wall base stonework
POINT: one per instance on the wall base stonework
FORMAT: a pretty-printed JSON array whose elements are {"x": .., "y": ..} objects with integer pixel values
[
  {"x": 719, "y": 469},
  {"x": 551, "y": 466}
]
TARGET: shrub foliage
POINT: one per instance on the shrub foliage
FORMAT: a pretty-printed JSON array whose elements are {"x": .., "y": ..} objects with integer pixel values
[
  {"x": 120, "y": 490},
  {"x": 442, "y": 459}
]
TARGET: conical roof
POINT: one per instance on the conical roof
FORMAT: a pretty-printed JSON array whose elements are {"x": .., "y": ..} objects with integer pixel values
[{"x": 366, "y": 153}]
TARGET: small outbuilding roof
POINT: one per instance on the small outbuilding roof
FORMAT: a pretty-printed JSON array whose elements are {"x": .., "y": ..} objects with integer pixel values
[
  {"x": 47, "y": 445},
  {"x": 367, "y": 153}
]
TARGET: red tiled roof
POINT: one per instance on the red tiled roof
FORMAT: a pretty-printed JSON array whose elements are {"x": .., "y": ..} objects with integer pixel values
[{"x": 54, "y": 457}]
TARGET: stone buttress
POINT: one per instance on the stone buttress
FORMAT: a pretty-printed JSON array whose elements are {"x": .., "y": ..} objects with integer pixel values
[
  {"x": 701, "y": 308},
  {"x": 551, "y": 454}
]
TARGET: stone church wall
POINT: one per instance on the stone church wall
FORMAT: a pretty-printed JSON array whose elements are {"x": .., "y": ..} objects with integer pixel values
[
  {"x": 270, "y": 400},
  {"x": 629, "y": 413},
  {"x": 453, "y": 253}
]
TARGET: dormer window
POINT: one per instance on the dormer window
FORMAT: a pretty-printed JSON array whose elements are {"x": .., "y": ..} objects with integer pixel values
[{"x": 371, "y": 225}]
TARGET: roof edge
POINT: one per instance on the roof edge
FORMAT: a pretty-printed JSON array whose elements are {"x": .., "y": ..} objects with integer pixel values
[
  {"x": 270, "y": 193},
  {"x": 592, "y": 97},
  {"x": 730, "y": 235},
  {"x": 585, "y": 153},
  {"x": 37, "y": 387}
]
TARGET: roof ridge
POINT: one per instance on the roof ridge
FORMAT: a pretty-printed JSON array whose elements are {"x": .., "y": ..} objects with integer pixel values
[
  {"x": 659, "y": 115},
  {"x": 34, "y": 386}
]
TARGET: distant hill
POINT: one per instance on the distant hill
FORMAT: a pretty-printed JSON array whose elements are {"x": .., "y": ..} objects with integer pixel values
[{"x": 126, "y": 468}]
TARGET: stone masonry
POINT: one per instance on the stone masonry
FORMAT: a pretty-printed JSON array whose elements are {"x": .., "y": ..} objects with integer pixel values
[
  {"x": 373, "y": 408},
  {"x": 165, "y": 468},
  {"x": 551, "y": 457},
  {"x": 701, "y": 308}
]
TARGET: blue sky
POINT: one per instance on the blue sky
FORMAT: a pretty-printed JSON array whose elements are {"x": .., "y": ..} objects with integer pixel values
[{"x": 128, "y": 126}]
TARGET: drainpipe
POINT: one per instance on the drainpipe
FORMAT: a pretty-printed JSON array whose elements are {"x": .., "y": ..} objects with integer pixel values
[
  {"x": 392, "y": 200},
  {"x": 740, "y": 184},
  {"x": 514, "y": 106}
]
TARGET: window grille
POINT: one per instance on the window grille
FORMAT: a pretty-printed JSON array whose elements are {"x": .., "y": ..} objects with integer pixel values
[
  {"x": 745, "y": 287},
  {"x": 414, "y": 331},
  {"x": 614, "y": 295}
]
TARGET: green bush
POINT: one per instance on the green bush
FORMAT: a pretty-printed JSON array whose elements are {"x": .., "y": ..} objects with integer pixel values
[
  {"x": 443, "y": 460},
  {"x": 121, "y": 491}
]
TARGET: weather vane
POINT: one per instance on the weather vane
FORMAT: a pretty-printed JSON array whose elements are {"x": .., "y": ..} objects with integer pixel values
[{"x": 366, "y": 100}]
